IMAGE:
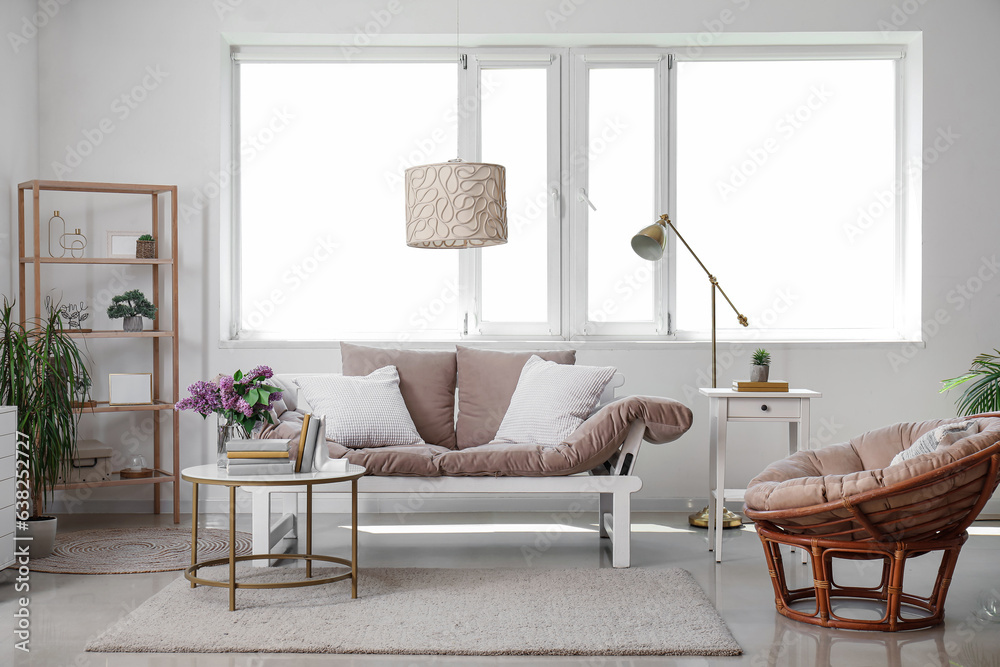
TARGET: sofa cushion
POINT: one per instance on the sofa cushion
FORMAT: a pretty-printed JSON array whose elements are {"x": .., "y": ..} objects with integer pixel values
[
  {"x": 486, "y": 382},
  {"x": 426, "y": 381},
  {"x": 361, "y": 411},
  {"x": 814, "y": 477},
  {"x": 585, "y": 449},
  {"x": 551, "y": 401}
]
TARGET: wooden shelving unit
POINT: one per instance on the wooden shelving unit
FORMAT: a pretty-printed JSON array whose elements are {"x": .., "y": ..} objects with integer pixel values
[{"x": 164, "y": 396}]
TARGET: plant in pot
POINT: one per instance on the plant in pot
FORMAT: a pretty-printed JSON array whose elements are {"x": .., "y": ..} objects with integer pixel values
[
  {"x": 132, "y": 306},
  {"x": 145, "y": 247},
  {"x": 761, "y": 365},
  {"x": 983, "y": 395},
  {"x": 42, "y": 373}
]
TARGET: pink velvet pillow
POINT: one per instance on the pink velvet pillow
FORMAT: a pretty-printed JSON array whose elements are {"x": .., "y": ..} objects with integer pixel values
[{"x": 486, "y": 382}]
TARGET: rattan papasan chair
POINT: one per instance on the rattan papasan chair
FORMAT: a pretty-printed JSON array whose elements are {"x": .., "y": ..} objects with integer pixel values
[{"x": 846, "y": 501}]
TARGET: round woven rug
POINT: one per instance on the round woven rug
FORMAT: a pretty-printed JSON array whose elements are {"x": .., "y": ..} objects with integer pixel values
[{"x": 135, "y": 550}]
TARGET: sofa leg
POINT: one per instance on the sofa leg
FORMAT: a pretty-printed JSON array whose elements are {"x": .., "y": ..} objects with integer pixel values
[
  {"x": 291, "y": 505},
  {"x": 261, "y": 523},
  {"x": 604, "y": 509},
  {"x": 622, "y": 529}
]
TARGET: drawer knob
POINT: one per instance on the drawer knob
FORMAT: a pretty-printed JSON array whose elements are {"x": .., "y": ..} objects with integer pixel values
[{"x": 763, "y": 407}]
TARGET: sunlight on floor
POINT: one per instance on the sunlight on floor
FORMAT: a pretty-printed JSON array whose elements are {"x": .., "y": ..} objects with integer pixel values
[
  {"x": 508, "y": 528},
  {"x": 984, "y": 530}
]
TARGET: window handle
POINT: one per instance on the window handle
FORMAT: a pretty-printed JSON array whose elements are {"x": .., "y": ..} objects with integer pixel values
[{"x": 583, "y": 197}]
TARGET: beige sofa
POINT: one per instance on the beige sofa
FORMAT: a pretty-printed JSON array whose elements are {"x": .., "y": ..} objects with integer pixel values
[{"x": 457, "y": 457}]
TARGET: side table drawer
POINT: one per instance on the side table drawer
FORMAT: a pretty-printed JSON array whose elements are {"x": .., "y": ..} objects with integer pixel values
[{"x": 764, "y": 407}]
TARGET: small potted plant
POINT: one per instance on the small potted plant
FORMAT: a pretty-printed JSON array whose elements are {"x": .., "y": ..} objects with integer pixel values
[
  {"x": 145, "y": 247},
  {"x": 761, "y": 365},
  {"x": 132, "y": 306}
]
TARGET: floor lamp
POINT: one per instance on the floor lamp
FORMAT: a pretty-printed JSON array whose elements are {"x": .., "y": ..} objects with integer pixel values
[{"x": 650, "y": 244}]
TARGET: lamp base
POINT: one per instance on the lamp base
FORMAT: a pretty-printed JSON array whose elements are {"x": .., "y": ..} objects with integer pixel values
[{"x": 701, "y": 519}]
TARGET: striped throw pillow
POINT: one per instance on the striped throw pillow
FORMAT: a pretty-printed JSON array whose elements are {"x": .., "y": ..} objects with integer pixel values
[
  {"x": 551, "y": 401},
  {"x": 365, "y": 411}
]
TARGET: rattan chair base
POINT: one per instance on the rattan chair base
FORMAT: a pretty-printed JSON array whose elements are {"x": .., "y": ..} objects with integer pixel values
[{"x": 825, "y": 590}]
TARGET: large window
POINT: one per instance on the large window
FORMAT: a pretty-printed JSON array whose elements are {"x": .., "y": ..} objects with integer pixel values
[{"x": 785, "y": 170}]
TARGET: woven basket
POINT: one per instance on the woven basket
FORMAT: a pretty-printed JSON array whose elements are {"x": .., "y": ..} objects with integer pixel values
[{"x": 145, "y": 249}]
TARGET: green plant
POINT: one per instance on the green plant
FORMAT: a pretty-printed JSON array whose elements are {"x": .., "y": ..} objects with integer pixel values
[
  {"x": 761, "y": 357},
  {"x": 130, "y": 304},
  {"x": 146, "y": 237},
  {"x": 42, "y": 373},
  {"x": 984, "y": 393}
]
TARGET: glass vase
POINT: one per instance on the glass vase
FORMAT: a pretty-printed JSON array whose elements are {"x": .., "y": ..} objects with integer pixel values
[{"x": 228, "y": 430}]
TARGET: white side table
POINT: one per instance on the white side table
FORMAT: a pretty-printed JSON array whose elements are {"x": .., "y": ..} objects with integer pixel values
[{"x": 728, "y": 405}]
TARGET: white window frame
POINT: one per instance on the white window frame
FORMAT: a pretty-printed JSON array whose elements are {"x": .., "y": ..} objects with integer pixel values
[
  {"x": 585, "y": 60},
  {"x": 470, "y": 143},
  {"x": 907, "y": 301},
  {"x": 568, "y": 74}
]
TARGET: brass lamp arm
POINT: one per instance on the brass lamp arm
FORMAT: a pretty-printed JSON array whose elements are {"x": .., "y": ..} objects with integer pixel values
[{"x": 665, "y": 219}]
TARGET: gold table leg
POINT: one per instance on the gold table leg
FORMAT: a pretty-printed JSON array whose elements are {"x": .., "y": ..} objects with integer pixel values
[
  {"x": 354, "y": 539},
  {"x": 309, "y": 529},
  {"x": 194, "y": 527},
  {"x": 232, "y": 548}
]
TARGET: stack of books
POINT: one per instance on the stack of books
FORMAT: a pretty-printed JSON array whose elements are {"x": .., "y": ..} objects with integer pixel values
[
  {"x": 258, "y": 457},
  {"x": 760, "y": 386}
]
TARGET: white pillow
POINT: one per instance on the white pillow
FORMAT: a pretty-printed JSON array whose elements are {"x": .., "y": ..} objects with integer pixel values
[
  {"x": 942, "y": 436},
  {"x": 551, "y": 400},
  {"x": 362, "y": 411}
]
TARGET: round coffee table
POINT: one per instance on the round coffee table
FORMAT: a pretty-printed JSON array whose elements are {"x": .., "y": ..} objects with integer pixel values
[{"x": 213, "y": 475}]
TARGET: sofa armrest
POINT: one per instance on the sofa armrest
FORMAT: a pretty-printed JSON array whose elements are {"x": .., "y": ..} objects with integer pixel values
[{"x": 665, "y": 419}]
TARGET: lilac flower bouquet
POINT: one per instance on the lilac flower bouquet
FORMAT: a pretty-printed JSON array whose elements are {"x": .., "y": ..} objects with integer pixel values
[{"x": 244, "y": 400}]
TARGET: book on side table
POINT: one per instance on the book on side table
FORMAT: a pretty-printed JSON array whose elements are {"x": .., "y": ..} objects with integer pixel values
[
  {"x": 258, "y": 457},
  {"x": 760, "y": 386}
]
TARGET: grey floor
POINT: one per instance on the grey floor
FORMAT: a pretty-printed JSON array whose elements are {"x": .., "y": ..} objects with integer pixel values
[{"x": 67, "y": 610}]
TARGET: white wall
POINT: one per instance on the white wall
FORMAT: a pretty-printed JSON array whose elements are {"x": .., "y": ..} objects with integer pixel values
[
  {"x": 19, "y": 112},
  {"x": 93, "y": 52}
]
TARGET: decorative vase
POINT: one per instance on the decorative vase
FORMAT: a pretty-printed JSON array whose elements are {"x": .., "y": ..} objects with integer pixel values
[
  {"x": 145, "y": 249},
  {"x": 759, "y": 373},
  {"x": 228, "y": 430},
  {"x": 132, "y": 324},
  {"x": 41, "y": 534}
]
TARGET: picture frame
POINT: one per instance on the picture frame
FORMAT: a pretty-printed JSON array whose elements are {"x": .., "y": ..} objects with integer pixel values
[
  {"x": 122, "y": 244},
  {"x": 130, "y": 389}
]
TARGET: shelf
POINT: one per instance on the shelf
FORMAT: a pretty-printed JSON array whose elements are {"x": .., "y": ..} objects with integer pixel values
[
  {"x": 102, "y": 406},
  {"x": 94, "y": 260},
  {"x": 114, "y": 333},
  {"x": 159, "y": 477},
  {"x": 81, "y": 186}
]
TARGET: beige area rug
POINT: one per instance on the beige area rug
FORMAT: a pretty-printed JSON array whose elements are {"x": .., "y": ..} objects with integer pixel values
[
  {"x": 433, "y": 611},
  {"x": 135, "y": 550}
]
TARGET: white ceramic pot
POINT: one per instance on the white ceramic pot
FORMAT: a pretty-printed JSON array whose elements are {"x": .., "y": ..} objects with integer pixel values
[{"x": 42, "y": 531}]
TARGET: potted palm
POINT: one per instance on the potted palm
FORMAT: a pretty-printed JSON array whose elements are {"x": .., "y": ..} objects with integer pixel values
[
  {"x": 42, "y": 373},
  {"x": 983, "y": 395},
  {"x": 761, "y": 365},
  {"x": 132, "y": 306}
]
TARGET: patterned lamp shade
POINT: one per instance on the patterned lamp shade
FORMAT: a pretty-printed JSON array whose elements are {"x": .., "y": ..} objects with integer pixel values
[{"x": 456, "y": 205}]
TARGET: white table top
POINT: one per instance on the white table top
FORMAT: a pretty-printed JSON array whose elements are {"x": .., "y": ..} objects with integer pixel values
[
  {"x": 732, "y": 393},
  {"x": 213, "y": 474}
]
